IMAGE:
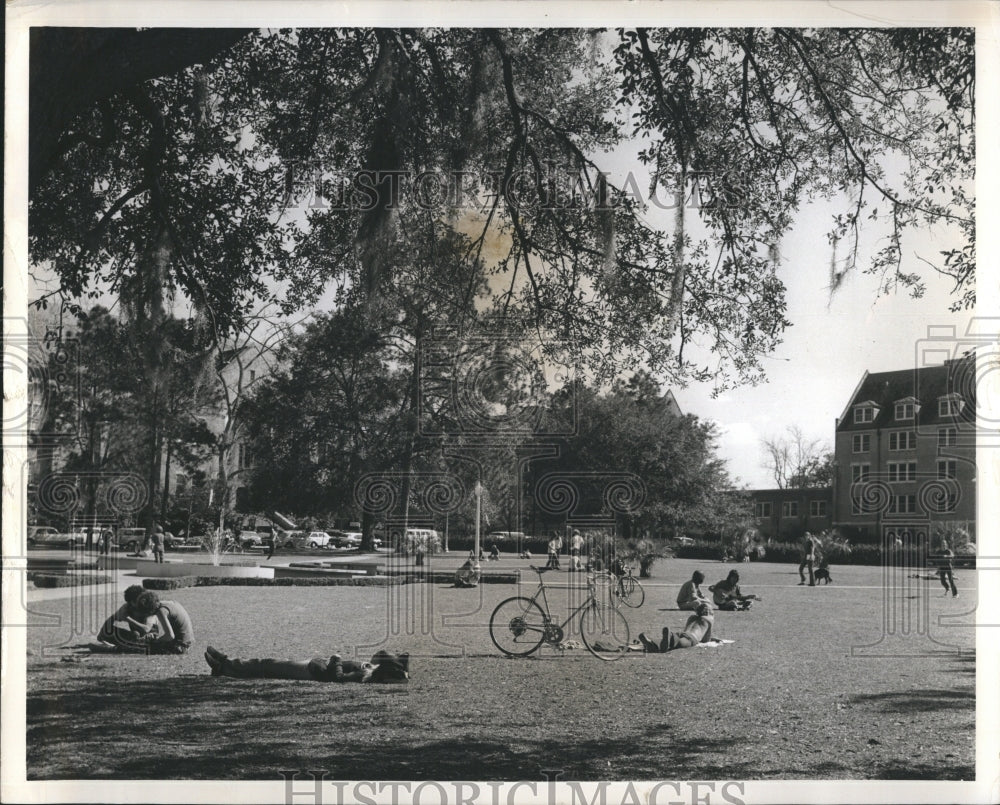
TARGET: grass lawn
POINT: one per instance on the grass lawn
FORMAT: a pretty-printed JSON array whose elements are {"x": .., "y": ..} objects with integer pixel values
[{"x": 787, "y": 700}]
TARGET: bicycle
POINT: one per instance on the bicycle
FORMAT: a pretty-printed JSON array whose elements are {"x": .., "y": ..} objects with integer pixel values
[
  {"x": 627, "y": 588},
  {"x": 519, "y": 625}
]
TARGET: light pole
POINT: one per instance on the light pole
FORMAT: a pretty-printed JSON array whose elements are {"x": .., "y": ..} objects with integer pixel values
[{"x": 479, "y": 508}]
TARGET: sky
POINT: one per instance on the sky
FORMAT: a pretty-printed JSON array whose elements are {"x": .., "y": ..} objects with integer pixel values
[{"x": 833, "y": 340}]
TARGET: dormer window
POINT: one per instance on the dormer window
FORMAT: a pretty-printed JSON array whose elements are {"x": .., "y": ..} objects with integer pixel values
[
  {"x": 864, "y": 412},
  {"x": 950, "y": 405},
  {"x": 906, "y": 408}
]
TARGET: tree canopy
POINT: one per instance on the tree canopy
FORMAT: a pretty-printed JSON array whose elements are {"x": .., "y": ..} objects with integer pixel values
[{"x": 278, "y": 164}]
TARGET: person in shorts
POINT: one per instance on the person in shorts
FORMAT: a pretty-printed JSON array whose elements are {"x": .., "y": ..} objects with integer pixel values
[
  {"x": 575, "y": 550},
  {"x": 383, "y": 668},
  {"x": 698, "y": 629},
  {"x": 158, "y": 545}
]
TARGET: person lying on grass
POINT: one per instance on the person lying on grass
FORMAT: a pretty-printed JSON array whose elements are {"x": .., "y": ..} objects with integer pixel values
[
  {"x": 123, "y": 628},
  {"x": 384, "y": 667},
  {"x": 171, "y": 632},
  {"x": 727, "y": 595},
  {"x": 698, "y": 629}
]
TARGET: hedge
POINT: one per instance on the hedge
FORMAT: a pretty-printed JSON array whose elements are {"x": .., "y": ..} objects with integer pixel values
[
  {"x": 403, "y": 577},
  {"x": 70, "y": 580},
  {"x": 176, "y": 582},
  {"x": 792, "y": 552}
]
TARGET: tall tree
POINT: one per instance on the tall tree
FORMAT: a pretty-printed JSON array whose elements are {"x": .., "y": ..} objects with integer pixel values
[{"x": 209, "y": 165}]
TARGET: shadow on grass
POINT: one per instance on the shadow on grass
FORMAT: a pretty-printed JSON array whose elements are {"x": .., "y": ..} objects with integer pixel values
[
  {"x": 200, "y": 727},
  {"x": 920, "y": 701},
  {"x": 911, "y": 770}
]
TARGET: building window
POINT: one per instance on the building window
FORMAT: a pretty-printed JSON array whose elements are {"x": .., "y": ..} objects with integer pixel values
[
  {"x": 947, "y": 437},
  {"x": 861, "y": 443},
  {"x": 947, "y": 469},
  {"x": 903, "y": 504},
  {"x": 902, "y": 471},
  {"x": 244, "y": 456},
  {"x": 864, "y": 413},
  {"x": 949, "y": 407},
  {"x": 790, "y": 508},
  {"x": 903, "y": 440},
  {"x": 904, "y": 410},
  {"x": 946, "y": 503},
  {"x": 817, "y": 508},
  {"x": 860, "y": 473},
  {"x": 762, "y": 509},
  {"x": 253, "y": 375}
]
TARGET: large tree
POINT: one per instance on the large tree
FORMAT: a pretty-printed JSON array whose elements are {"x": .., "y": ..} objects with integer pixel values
[{"x": 208, "y": 158}]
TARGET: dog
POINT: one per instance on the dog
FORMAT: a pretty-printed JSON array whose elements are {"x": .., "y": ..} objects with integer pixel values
[{"x": 822, "y": 574}]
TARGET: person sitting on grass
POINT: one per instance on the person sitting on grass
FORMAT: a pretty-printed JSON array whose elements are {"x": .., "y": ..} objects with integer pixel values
[
  {"x": 384, "y": 667},
  {"x": 727, "y": 595},
  {"x": 172, "y": 632},
  {"x": 698, "y": 629},
  {"x": 690, "y": 595},
  {"x": 494, "y": 552},
  {"x": 124, "y": 628}
]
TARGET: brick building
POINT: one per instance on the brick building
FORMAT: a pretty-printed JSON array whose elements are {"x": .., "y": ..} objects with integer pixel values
[
  {"x": 905, "y": 454},
  {"x": 786, "y": 514}
]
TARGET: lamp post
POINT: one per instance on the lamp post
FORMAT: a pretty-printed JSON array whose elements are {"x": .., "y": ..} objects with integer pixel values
[{"x": 479, "y": 508}]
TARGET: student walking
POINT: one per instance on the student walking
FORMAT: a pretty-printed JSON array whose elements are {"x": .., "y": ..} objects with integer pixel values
[{"x": 946, "y": 571}]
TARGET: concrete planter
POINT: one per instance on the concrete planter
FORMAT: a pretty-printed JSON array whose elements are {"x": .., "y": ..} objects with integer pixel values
[{"x": 156, "y": 570}]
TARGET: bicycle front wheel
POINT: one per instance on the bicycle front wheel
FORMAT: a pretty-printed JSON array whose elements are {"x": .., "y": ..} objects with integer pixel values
[
  {"x": 517, "y": 626},
  {"x": 604, "y": 630},
  {"x": 631, "y": 592}
]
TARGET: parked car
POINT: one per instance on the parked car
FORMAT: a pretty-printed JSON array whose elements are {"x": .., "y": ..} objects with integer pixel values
[
  {"x": 303, "y": 540},
  {"x": 46, "y": 535},
  {"x": 352, "y": 539},
  {"x": 251, "y": 539}
]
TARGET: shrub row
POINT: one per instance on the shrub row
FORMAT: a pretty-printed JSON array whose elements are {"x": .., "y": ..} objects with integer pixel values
[
  {"x": 177, "y": 582},
  {"x": 792, "y": 552},
  {"x": 70, "y": 580},
  {"x": 405, "y": 577}
]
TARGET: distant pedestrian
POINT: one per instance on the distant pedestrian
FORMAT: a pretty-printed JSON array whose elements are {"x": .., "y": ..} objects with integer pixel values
[
  {"x": 158, "y": 538},
  {"x": 104, "y": 542},
  {"x": 809, "y": 550},
  {"x": 946, "y": 570},
  {"x": 554, "y": 545},
  {"x": 271, "y": 542},
  {"x": 576, "y": 549}
]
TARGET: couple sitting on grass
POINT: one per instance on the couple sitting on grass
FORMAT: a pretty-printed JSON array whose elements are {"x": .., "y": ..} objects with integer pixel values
[
  {"x": 726, "y": 594},
  {"x": 146, "y": 625}
]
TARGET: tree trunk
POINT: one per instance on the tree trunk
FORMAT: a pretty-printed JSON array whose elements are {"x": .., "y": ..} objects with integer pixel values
[{"x": 166, "y": 482}]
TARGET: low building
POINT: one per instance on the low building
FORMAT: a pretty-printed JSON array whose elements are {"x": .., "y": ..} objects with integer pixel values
[{"x": 785, "y": 515}]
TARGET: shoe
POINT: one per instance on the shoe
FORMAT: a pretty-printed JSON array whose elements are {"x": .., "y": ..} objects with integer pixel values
[
  {"x": 216, "y": 653},
  {"x": 801, "y": 583},
  {"x": 954, "y": 595},
  {"x": 214, "y": 663},
  {"x": 648, "y": 644}
]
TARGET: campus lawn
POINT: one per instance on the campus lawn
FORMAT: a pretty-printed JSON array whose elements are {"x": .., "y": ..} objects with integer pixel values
[{"x": 786, "y": 700}]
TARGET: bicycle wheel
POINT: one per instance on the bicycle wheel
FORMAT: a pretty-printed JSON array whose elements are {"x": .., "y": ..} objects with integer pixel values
[
  {"x": 517, "y": 626},
  {"x": 604, "y": 631},
  {"x": 631, "y": 592}
]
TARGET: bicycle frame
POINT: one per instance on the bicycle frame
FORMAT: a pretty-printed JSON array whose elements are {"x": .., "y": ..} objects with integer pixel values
[{"x": 589, "y": 601}]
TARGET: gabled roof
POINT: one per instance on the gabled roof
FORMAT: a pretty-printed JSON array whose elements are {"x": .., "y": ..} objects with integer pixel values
[{"x": 924, "y": 385}]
